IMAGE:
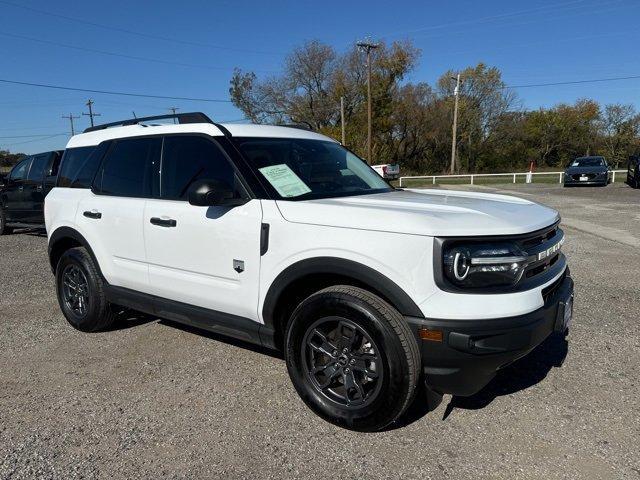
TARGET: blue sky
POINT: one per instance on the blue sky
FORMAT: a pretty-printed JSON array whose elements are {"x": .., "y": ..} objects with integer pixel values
[{"x": 531, "y": 42}]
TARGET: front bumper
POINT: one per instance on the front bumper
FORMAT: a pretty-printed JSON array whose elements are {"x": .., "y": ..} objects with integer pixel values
[
  {"x": 594, "y": 181},
  {"x": 472, "y": 351}
]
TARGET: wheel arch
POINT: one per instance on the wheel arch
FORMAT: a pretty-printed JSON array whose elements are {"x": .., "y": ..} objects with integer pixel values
[
  {"x": 64, "y": 238},
  {"x": 305, "y": 277}
]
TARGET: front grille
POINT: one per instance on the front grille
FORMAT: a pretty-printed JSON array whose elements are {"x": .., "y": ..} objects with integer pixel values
[
  {"x": 532, "y": 271},
  {"x": 590, "y": 176},
  {"x": 537, "y": 247}
]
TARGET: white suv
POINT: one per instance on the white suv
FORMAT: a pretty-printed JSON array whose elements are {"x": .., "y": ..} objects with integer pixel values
[{"x": 282, "y": 237}]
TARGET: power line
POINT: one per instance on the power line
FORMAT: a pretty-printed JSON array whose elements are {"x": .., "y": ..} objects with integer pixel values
[
  {"x": 25, "y": 128},
  {"x": 116, "y": 54},
  {"x": 552, "y": 8},
  {"x": 31, "y": 136},
  {"x": 136, "y": 33},
  {"x": 108, "y": 92},
  {"x": 35, "y": 140},
  {"x": 574, "y": 82}
]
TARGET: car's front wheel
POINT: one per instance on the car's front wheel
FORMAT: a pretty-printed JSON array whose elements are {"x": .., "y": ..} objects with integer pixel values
[
  {"x": 352, "y": 358},
  {"x": 80, "y": 290}
]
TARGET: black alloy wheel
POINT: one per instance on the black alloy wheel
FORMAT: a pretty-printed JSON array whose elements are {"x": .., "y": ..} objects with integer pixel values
[
  {"x": 342, "y": 362},
  {"x": 75, "y": 290}
]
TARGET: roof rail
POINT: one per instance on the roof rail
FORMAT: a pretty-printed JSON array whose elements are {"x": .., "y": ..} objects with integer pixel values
[
  {"x": 192, "y": 117},
  {"x": 299, "y": 125}
]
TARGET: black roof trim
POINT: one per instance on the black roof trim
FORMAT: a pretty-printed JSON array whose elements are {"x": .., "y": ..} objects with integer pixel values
[
  {"x": 191, "y": 117},
  {"x": 299, "y": 125}
]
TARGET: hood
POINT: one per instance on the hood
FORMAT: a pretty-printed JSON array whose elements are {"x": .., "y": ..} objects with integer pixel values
[
  {"x": 596, "y": 169},
  {"x": 424, "y": 212}
]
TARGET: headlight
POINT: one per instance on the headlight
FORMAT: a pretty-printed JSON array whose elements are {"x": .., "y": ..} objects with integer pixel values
[{"x": 484, "y": 265}]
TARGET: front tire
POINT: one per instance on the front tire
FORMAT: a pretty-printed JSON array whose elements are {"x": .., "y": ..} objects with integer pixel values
[
  {"x": 352, "y": 358},
  {"x": 80, "y": 290}
]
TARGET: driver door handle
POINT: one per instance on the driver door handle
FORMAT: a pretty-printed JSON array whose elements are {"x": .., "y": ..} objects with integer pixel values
[
  {"x": 162, "y": 222},
  {"x": 93, "y": 214}
]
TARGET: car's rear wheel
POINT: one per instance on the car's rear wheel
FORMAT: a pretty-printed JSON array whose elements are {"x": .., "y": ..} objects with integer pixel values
[
  {"x": 352, "y": 358},
  {"x": 80, "y": 290},
  {"x": 4, "y": 230}
]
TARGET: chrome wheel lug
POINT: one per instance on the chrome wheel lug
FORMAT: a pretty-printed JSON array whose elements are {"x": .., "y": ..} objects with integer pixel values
[{"x": 352, "y": 361}]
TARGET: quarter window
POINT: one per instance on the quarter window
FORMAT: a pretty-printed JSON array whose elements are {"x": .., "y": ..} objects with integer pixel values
[
  {"x": 186, "y": 159},
  {"x": 127, "y": 168},
  {"x": 72, "y": 162}
]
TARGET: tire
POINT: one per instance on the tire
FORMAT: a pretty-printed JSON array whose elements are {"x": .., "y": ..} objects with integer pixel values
[
  {"x": 4, "y": 230},
  {"x": 376, "y": 356},
  {"x": 92, "y": 312}
]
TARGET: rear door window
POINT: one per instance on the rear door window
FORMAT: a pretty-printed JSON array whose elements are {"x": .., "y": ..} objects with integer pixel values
[
  {"x": 36, "y": 173},
  {"x": 127, "y": 170}
]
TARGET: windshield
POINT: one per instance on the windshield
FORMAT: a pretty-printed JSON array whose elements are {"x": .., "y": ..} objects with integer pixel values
[
  {"x": 588, "y": 162},
  {"x": 302, "y": 169}
]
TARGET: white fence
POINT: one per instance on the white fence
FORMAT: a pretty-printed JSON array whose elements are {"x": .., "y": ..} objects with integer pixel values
[{"x": 513, "y": 179}]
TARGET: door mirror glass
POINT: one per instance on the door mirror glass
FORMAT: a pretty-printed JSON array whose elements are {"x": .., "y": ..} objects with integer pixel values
[{"x": 210, "y": 193}]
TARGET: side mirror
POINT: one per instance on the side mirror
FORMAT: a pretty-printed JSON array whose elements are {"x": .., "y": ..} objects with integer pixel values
[{"x": 213, "y": 193}]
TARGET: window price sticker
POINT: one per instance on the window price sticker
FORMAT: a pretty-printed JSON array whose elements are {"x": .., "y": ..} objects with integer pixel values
[{"x": 285, "y": 181}]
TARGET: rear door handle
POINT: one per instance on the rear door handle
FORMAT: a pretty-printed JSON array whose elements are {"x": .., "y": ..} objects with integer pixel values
[
  {"x": 20, "y": 188},
  {"x": 161, "y": 222},
  {"x": 93, "y": 214}
]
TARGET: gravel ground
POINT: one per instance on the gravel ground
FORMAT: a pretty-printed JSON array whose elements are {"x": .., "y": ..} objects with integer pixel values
[{"x": 151, "y": 399}]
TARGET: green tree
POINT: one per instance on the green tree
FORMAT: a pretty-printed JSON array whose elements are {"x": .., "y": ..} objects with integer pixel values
[
  {"x": 8, "y": 159},
  {"x": 620, "y": 129},
  {"x": 412, "y": 121}
]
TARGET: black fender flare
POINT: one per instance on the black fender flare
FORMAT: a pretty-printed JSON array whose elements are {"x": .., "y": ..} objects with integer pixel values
[
  {"x": 345, "y": 268},
  {"x": 62, "y": 234}
]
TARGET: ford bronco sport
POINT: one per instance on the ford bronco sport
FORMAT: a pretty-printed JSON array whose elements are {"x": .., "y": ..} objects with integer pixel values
[{"x": 282, "y": 237}]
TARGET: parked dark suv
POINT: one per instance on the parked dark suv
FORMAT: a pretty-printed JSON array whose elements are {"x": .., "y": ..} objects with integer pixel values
[
  {"x": 588, "y": 171},
  {"x": 633, "y": 172},
  {"x": 22, "y": 196}
]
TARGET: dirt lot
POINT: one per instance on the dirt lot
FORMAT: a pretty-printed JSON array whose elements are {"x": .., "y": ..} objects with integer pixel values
[{"x": 150, "y": 399}]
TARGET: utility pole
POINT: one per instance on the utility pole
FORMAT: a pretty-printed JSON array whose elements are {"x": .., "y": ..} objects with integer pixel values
[
  {"x": 173, "y": 111},
  {"x": 90, "y": 114},
  {"x": 367, "y": 47},
  {"x": 342, "y": 119},
  {"x": 456, "y": 93},
  {"x": 71, "y": 117}
]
